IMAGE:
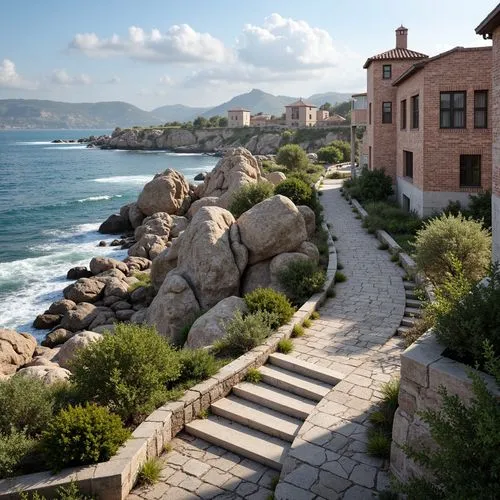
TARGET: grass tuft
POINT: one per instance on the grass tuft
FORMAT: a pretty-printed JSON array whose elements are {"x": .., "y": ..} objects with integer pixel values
[
  {"x": 315, "y": 315},
  {"x": 340, "y": 277},
  {"x": 285, "y": 346},
  {"x": 340, "y": 266},
  {"x": 297, "y": 331},
  {"x": 331, "y": 293},
  {"x": 203, "y": 414},
  {"x": 379, "y": 444},
  {"x": 150, "y": 472},
  {"x": 383, "y": 246},
  {"x": 253, "y": 375},
  {"x": 395, "y": 258},
  {"x": 307, "y": 323}
]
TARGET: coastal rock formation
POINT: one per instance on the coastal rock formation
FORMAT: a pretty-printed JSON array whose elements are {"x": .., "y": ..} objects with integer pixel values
[
  {"x": 56, "y": 337},
  {"x": 48, "y": 373},
  {"x": 115, "y": 224},
  {"x": 164, "y": 263},
  {"x": 280, "y": 262},
  {"x": 256, "y": 276},
  {"x": 236, "y": 168},
  {"x": 137, "y": 263},
  {"x": 310, "y": 249},
  {"x": 309, "y": 219},
  {"x": 84, "y": 290},
  {"x": 70, "y": 348},
  {"x": 44, "y": 321},
  {"x": 210, "y": 326},
  {"x": 152, "y": 236},
  {"x": 167, "y": 192},
  {"x": 16, "y": 349},
  {"x": 174, "y": 307},
  {"x": 61, "y": 307},
  {"x": 80, "y": 317},
  {"x": 75, "y": 273},
  {"x": 135, "y": 216},
  {"x": 99, "y": 265},
  {"x": 271, "y": 227}
]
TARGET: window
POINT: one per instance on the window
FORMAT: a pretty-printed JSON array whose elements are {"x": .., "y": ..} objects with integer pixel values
[
  {"x": 370, "y": 114},
  {"x": 481, "y": 109},
  {"x": 386, "y": 71},
  {"x": 470, "y": 170},
  {"x": 452, "y": 110},
  {"x": 403, "y": 114},
  {"x": 295, "y": 113},
  {"x": 415, "y": 118},
  {"x": 369, "y": 157},
  {"x": 310, "y": 117},
  {"x": 406, "y": 203},
  {"x": 408, "y": 164},
  {"x": 387, "y": 112}
]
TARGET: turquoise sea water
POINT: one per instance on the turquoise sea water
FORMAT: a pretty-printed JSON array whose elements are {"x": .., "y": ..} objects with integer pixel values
[{"x": 52, "y": 199}]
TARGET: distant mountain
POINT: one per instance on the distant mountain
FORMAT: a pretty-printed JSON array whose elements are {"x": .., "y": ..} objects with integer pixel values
[
  {"x": 178, "y": 113},
  {"x": 23, "y": 113},
  {"x": 33, "y": 113}
]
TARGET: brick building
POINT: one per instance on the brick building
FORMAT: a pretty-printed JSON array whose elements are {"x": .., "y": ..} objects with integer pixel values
[
  {"x": 301, "y": 114},
  {"x": 428, "y": 123},
  {"x": 490, "y": 28}
]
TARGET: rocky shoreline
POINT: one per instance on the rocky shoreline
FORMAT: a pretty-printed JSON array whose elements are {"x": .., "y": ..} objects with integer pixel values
[{"x": 189, "y": 260}]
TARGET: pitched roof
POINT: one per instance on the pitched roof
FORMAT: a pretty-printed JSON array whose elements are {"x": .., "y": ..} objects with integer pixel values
[
  {"x": 395, "y": 54},
  {"x": 421, "y": 64},
  {"x": 300, "y": 103},
  {"x": 238, "y": 109},
  {"x": 489, "y": 23}
]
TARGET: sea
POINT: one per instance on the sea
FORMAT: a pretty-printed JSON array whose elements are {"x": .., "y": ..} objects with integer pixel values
[{"x": 53, "y": 198}]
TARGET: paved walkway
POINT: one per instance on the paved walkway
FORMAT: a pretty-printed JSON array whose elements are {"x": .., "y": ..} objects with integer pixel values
[{"x": 354, "y": 335}]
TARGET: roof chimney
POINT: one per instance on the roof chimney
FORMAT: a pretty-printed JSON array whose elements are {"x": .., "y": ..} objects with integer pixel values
[{"x": 402, "y": 37}]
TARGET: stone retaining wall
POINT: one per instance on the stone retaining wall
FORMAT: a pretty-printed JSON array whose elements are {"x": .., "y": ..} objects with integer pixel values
[{"x": 114, "y": 479}]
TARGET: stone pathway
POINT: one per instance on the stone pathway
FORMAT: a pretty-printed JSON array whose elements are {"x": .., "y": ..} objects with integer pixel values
[{"x": 354, "y": 336}]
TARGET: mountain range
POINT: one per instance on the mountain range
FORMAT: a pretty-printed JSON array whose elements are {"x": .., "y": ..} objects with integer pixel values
[{"x": 33, "y": 113}]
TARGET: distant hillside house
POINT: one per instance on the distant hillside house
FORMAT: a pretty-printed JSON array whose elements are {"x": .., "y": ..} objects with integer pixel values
[
  {"x": 301, "y": 114},
  {"x": 322, "y": 114},
  {"x": 238, "y": 117},
  {"x": 262, "y": 120},
  {"x": 331, "y": 121}
]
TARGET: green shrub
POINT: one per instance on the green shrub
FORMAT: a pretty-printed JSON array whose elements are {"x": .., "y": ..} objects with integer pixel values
[
  {"x": 447, "y": 237},
  {"x": 144, "y": 281},
  {"x": 340, "y": 277},
  {"x": 315, "y": 315},
  {"x": 26, "y": 403},
  {"x": 345, "y": 148},
  {"x": 269, "y": 166},
  {"x": 469, "y": 316},
  {"x": 370, "y": 185},
  {"x": 306, "y": 323},
  {"x": 330, "y": 154},
  {"x": 270, "y": 301},
  {"x": 15, "y": 445},
  {"x": 150, "y": 472},
  {"x": 253, "y": 375},
  {"x": 383, "y": 246},
  {"x": 196, "y": 365},
  {"x": 466, "y": 462},
  {"x": 301, "y": 279},
  {"x": 292, "y": 156},
  {"x": 287, "y": 136},
  {"x": 297, "y": 331},
  {"x": 331, "y": 293},
  {"x": 127, "y": 371},
  {"x": 295, "y": 189},
  {"x": 379, "y": 444},
  {"x": 335, "y": 174},
  {"x": 285, "y": 346},
  {"x": 480, "y": 208},
  {"x": 249, "y": 195},
  {"x": 81, "y": 435},
  {"x": 243, "y": 333},
  {"x": 390, "y": 218}
]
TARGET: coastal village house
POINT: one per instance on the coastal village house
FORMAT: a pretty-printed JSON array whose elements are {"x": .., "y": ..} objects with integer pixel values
[
  {"x": 490, "y": 28},
  {"x": 238, "y": 117},
  {"x": 428, "y": 123},
  {"x": 301, "y": 114}
]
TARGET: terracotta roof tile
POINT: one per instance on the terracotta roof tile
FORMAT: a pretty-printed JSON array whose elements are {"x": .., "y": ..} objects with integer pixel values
[
  {"x": 300, "y": 103},
  {"x": 395, "y": 54}
]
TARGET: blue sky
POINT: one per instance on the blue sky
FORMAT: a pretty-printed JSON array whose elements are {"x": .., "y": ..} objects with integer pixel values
[{"x": 202, "y": 53}]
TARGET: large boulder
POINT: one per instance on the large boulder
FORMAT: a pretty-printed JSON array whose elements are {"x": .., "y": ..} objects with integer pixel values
[
  {"x": 310, "y": 249},
  {"x": 135, "y": 216},
  {"x": 99, "y": 265},
  {"x": 115, "y": 224},
  {"x": 309, "y": 219},
  {"x": 275, "y": 177},
  {"x": 206, "y": 259},
  {"x": 75, "y": 273},
  {"x": 172, "y": 309},
  {"x": 69, "y": 349},
  {"x": 149, "y": 246},
  {"x": 84, "y": 290},
  {"x": 56, "y": 337},
  {"x": 80, "y": 317},
  {"x": 137, "y": 263},
  {"x": 152, "y": 236},
  {"x": 48, "y": 373},
  {"x": 61, "y": 307},
  {"x": 207, "y": 201},
  {"x": 116, "y": 287},
  {"x": 45, "y": 321},
  {"x": 256, "y": 276},
  {"x": 16, "y": 349},
  {"x": 271, "y": 227},
  {"x": 210, "y": 326},
  {"x": 164, "y": 263},
  {"x": 281, "y": 262},
  {"x": 165, "y": 193},
  {"x": 237, "y": 168}
]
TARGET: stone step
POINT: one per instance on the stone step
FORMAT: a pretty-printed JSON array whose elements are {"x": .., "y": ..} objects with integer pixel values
[
  {"x": 409, "y": 285},
  {"x": 257, "y": 417},
  {"x": 294, "y": 383},
  {"x": 410, "y": 294},
  {"x": 402, "y": 330},
  {"x": 413, "y": 303},
  {"x": 413, "y": 312},
  {"x": 305, "y": 368},
  {"x": 275, "y": 399},
  {"x": 241, "y": 440},
  {"x": 408, "y": 321}
]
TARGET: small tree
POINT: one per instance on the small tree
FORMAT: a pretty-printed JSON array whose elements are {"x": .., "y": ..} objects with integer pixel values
[
  {"x": 292, "y": 156},
  {"x": 249, "y": 195},
  {"x": 330, "y": 154},
  {"x": 223, "y": 122},
  {"x": 344, "y": 147},
  {"x": 200, "y": 122}
]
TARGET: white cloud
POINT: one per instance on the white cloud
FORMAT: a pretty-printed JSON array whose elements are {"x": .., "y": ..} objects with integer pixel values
[
  {"x": 61, "y": 77},
  {"x": 166, "y": 81},
  {"x": 180, "y": 44},
  {"x": 10, "y": 78},
  {"x": 286, "y": 44}
]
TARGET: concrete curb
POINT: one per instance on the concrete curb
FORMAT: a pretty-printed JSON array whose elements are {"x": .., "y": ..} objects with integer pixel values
[{"x": 113, "y": 480}]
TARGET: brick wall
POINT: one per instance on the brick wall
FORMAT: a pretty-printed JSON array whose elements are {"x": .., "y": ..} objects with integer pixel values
[{"x": 495, "y": 115}]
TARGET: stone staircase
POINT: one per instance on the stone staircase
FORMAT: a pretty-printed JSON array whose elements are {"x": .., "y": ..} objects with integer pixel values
[
  {"x": 259, "y": 421},
  {"x": 413, "y": 309}
]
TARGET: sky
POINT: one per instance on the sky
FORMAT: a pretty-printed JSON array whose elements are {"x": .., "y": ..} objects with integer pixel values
[{"x": 201, "y": 53}]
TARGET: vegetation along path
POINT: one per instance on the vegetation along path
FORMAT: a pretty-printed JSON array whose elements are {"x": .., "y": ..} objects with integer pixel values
[{"x": 308, "y": 418}]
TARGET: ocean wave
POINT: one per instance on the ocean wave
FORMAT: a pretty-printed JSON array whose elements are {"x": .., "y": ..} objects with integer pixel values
[
  {"x": 79, "y": 146},
  {"x": 125, "y": 179},
  {"x": 33, "y": 143},
  {"x": 99, "y": 198}
]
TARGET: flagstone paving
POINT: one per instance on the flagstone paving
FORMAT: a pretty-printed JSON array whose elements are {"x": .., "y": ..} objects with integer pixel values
[{"x": 354, "y": 336}]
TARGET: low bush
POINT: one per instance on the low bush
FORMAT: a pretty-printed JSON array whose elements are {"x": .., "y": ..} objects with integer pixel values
[
  {"x": 292, "y": 156},
  {"x": 306, "y": 323},
  {"x": 150, "y": 472},
  {"x": 249, "y": 195},
  {"x": 330, "y": 154},
  {"x": 269, "y": 166},
  {"x": 340, "y": 277},
  {"x": 144, "y": 281},
  {"x": 69, "y": 492},
  {"x": 196, "y": 366},
  {"x": 297, "y": 331},
  {"x": 370, "y": 185},
  {"x": 285, "y": 346},
  {"x": 315, "y": 315},
  {"x": 243, "y": 333},
  {"x": 301, "y": 279},
  {"x": 270, "y": 301},
  {"x": 379, "y": 444},
  {"x": 81, "y": 435},
  {"x": 297, "y": 190},
  {"x": 335, "y": 174},
  {"x": 127, "y": 371},
  {"x": 391, "y": 218},
  {"x": 465, "y": 463},
  {"x": 447, "y": 237},
  {"x": 253, "y": 375},
  {"x": 15, "y": 445},
  {"x": 479, "y": 208},
  {"x": 26, "y": 404}
]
